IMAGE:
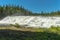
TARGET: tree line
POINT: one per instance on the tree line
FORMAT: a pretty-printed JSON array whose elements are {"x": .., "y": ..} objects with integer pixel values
[{"x": 10, "y": 10}]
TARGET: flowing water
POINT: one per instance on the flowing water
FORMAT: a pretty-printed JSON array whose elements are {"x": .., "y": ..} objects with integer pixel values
[{"x": 32, "y": 21}]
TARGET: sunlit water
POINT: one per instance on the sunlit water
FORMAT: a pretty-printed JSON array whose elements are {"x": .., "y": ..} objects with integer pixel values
[{"x": 32, "y": 21}]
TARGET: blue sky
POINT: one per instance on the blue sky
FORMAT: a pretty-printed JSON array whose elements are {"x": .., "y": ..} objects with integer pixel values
[{"x": 35, "y": 5}]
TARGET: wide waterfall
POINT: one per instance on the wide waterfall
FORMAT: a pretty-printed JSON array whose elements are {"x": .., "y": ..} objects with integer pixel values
[{"x": 32, "y": 21}]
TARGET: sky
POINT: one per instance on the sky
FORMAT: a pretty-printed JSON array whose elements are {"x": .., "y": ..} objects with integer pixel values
[{"x": 35, "y": 6}]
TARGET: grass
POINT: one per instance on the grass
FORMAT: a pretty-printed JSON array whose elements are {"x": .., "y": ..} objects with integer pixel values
[{"x": 13, "y": 33}]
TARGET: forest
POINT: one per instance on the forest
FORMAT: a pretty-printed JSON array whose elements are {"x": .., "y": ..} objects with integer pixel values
[{"x": 11, "y": 10}]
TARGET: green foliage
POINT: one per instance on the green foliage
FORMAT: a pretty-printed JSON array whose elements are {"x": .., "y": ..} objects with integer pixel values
[
  {"x": 15, "y": 25},
  {"x": 48, "y": 34},
  {"x": 55, "y": 29},
  {"x": 10, "y": 9}
]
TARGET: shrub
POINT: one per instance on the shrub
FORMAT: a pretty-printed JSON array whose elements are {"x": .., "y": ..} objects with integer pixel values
[{"x": 15, "y": 25}]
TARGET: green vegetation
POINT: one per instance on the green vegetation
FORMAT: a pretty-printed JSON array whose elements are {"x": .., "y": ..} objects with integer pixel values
[
  {"x": 12, "y": 10},
  {"x": 52, "y": 33},
  {"x": 15, "y": 25},
  {"x": 18, "y": 32}
]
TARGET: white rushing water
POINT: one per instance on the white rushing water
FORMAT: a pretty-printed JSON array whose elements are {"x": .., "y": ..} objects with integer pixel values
[{"x": 32, "y": 21}]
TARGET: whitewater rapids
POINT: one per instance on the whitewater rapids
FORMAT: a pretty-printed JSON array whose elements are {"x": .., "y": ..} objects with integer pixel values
[{"x": 32, "y": 21}]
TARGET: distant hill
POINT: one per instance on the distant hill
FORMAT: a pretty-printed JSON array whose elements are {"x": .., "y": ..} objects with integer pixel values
[
  {"x": 17, "y": 10},
  {"x": 13, "y": 10}
]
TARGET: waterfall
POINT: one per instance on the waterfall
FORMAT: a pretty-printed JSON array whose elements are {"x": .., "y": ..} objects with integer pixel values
[{"x": 32, "y": 21}]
